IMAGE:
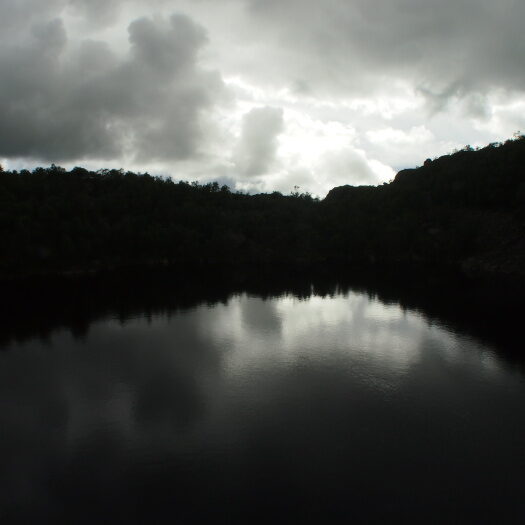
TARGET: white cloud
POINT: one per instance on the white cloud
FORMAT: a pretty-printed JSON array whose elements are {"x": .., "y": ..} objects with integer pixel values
[{"x": 255, "y": 153}]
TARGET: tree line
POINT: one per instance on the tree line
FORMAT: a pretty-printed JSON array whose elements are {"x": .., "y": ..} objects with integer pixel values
[{"x": 464, "y": 209}]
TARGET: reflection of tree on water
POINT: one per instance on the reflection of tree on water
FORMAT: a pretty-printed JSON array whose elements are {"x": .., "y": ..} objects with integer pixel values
[{"x": 38, "y": 309}]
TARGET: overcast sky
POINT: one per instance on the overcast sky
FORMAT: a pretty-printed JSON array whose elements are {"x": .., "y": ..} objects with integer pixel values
[{"x": 260, "y": 94}]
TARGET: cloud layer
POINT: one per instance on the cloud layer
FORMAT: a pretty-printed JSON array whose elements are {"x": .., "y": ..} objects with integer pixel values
[
  {"x": 90, "y": 103},
  {"x": 266, "y": 94}
]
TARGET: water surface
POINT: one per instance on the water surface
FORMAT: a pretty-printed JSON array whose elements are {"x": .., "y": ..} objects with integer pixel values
[{"x": 321, "y": 405}]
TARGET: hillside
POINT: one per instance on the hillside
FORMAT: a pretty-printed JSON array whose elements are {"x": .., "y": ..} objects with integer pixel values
[
  {"x": 466, "y": 209},
  {"x": 463, "y": 210}
]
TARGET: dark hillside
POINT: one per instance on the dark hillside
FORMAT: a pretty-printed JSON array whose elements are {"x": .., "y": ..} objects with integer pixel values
[
  {"x": 463, "y": 210},
  {"x": 52, "y": 220},
  {"x": 467, "y": 208}
]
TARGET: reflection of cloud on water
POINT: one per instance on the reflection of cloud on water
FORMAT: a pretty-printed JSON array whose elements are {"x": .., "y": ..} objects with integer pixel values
[
  {"x": 220, "y": 378},
  {"x": 144, "y": 381},
  {"x": 347, "y": 329},
  {"x": 463, "y": 350}
]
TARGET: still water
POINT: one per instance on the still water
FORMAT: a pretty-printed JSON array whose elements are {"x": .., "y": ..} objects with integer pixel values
[{"x": 319, "y": 407}]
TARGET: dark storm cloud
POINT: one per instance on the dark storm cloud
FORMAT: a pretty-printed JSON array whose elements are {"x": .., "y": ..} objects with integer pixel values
[
  {"x": 15, "y": 14},
  {"x": 444, "y": 47},
  {"x": 258, "y": 143},
  {"x": 57, "y": 104},
  {"x": 99, "y": 12}
]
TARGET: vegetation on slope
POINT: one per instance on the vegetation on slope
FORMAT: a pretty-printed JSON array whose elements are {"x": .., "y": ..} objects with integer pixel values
[{"x": 465, "y": 209}]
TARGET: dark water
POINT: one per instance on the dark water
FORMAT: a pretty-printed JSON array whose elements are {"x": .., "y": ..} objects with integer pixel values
[{"x": 311, "y": 403}]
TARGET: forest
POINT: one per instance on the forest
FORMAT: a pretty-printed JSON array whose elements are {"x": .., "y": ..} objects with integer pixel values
[{"x": 464, "y": 210}]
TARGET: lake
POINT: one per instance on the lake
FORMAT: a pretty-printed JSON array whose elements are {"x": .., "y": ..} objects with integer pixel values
[{"x": 171, "y": 401}]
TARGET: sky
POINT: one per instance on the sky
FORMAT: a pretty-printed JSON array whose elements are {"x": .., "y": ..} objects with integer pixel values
[{"x": 261, "y": 95}]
